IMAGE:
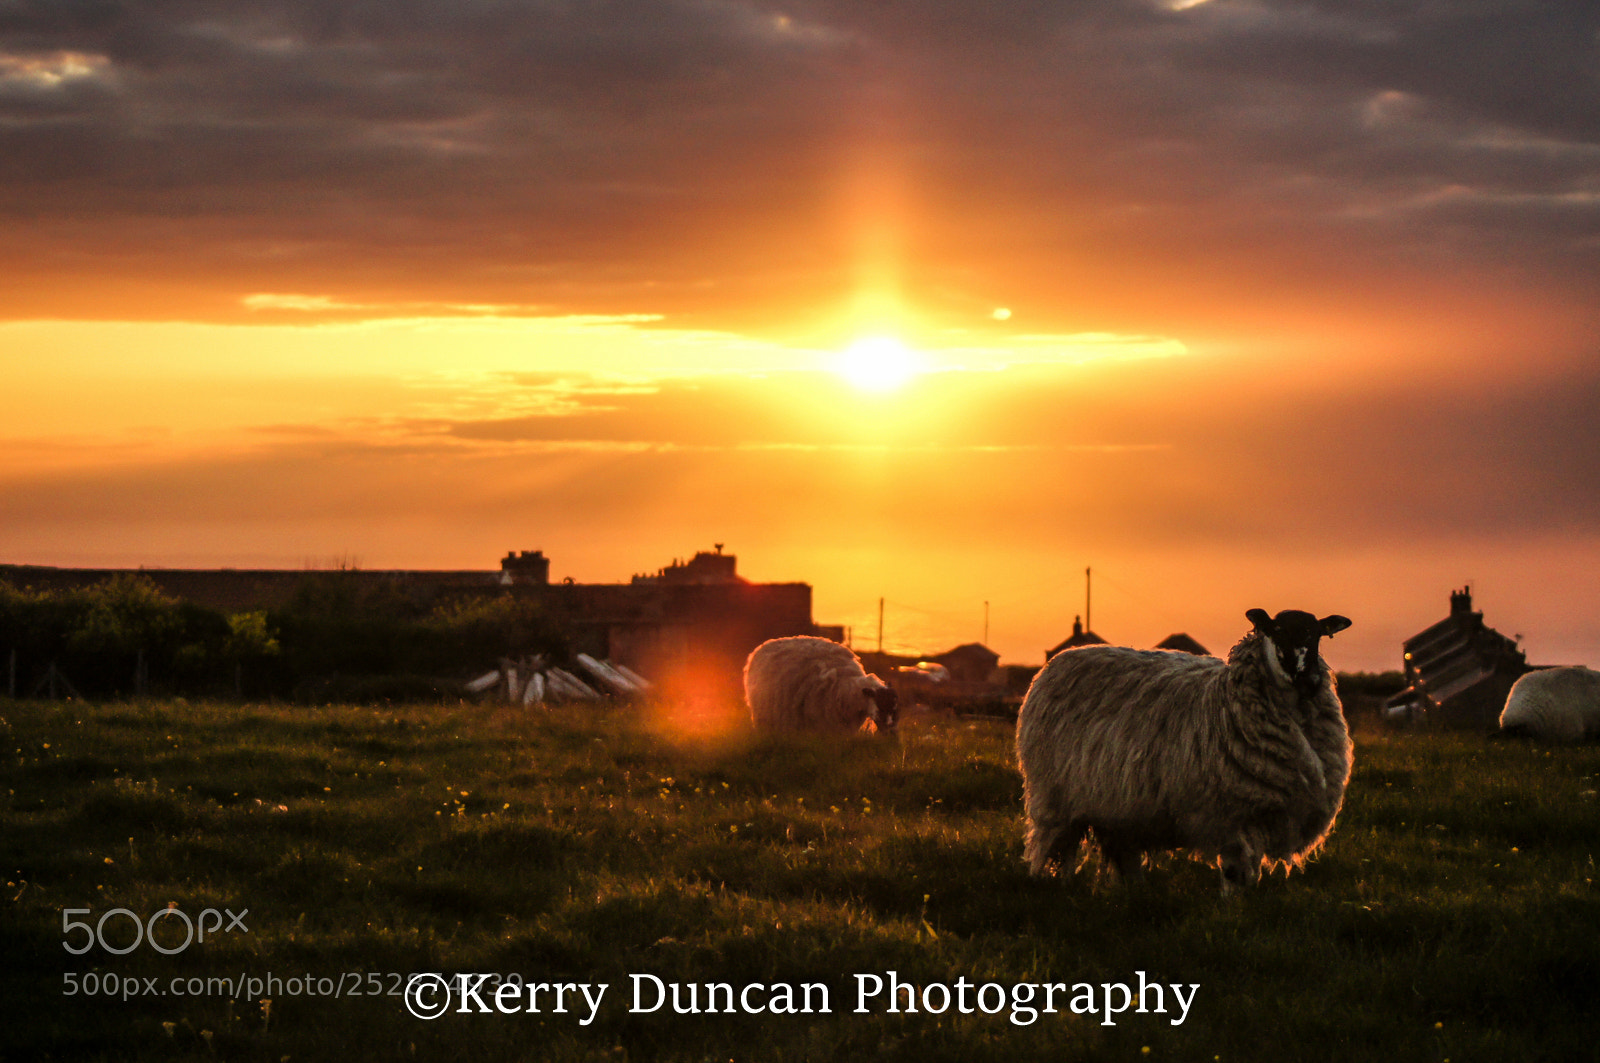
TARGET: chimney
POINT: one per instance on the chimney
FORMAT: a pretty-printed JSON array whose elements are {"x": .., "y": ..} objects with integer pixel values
[{"x": 531, "y": 566}]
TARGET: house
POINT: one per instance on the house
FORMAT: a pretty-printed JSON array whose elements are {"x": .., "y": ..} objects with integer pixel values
[{"x": 1458, "y": 671}]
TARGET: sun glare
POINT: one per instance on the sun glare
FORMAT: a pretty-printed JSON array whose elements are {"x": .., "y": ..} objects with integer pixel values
[{"x": 877, "y": 363}]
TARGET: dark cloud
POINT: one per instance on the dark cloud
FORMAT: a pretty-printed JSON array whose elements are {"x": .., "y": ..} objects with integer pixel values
[{"x": 694, "y": 156}]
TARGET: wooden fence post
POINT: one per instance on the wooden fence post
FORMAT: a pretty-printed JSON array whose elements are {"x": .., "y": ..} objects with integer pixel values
[{"x": 56, "y": 682}]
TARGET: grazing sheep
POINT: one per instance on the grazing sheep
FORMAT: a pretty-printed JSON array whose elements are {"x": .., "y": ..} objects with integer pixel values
[
  {"x": 1154, "y": 750},
  {"x": 811, "y": 684},
  {"x": 1555, "y": 704}
]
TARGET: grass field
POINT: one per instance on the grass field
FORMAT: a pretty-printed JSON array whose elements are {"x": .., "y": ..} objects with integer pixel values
[{"x": 1454, "y": 914}]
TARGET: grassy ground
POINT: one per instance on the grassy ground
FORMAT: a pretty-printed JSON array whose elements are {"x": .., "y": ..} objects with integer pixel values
[{"x": 1454, "y": 914}]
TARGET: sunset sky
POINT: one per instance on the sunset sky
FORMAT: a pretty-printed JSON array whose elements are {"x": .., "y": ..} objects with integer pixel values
[{"x": 1241, "y": 302}]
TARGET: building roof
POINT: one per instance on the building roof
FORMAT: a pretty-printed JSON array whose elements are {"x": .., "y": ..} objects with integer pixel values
[
  {"x": 703, "y": 568},
  {"x": 1079, "y": 637},
  {"x": 1184, "y": 643},
  {"x": 976, "y": 650}
]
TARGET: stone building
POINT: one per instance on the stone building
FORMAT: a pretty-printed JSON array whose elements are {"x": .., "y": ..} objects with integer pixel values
[
  {"x": 698, "y": 615},
  {"x": 1458, "y": 671}
]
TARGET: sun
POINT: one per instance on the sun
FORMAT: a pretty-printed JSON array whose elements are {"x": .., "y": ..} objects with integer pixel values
[{"x": 877, "y": 363}]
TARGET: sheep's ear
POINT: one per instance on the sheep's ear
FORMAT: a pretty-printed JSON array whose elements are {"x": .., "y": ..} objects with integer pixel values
[
  {"x": 1332, "y": 625},
  {"x": 1260, "y": 618}
]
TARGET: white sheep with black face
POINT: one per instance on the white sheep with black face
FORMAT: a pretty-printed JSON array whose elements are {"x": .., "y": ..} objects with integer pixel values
[
  {"x": 1554, "y": 704},
  {"x": 1149, "y": 750},
  {"x": 803, "y": 683}
]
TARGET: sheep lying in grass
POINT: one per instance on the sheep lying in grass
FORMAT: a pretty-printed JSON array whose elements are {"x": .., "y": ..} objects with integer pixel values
[
  {"x": 1154, "y": 750},
  {"x": 1554, "y": 704},
  {"x": 811, "y": 684}
]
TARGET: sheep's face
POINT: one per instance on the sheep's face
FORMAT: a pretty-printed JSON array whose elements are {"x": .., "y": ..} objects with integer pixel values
[
  {"x": 1290, "y": 643},
  {"x": 882, "y": 707}
]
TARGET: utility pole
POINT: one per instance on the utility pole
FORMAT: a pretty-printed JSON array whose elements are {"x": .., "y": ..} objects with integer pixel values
[
  {"x": 1088, "y": 597},
  {"x": 986, "y": 623},
  {"x": 880, "y": 625}
]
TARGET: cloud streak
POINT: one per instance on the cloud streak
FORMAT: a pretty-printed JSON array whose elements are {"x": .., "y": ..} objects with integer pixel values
[{"x": 1125, "y": 449}]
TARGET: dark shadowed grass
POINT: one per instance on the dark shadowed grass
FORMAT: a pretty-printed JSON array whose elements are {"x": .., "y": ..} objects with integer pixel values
[{"x": 1453, "y": 915}]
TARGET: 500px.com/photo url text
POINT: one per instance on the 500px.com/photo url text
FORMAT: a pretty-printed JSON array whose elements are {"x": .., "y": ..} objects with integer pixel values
[{"x": 239, "y": 987}]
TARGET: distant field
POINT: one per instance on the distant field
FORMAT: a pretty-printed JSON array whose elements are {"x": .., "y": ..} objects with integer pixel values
[{"x": 1454, "y": 915}]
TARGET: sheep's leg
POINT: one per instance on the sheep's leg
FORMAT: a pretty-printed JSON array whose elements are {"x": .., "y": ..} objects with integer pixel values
[
  {"x": 1067, "y": 844},
  {"x": 1128, "y": 859},
  {"x": 1240, "y": 864},
  {"x": 1051, "y": 842},
  {"x": 1041, "y": 846},
  {"x": 1036, "y": 853}
]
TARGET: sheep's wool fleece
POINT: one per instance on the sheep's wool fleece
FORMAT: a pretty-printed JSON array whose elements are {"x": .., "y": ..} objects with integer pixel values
[
  {"x": 1556, "y": 704},
  {"x": 1156, "y": 750},
  {"x": 806, "y": 684}
]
